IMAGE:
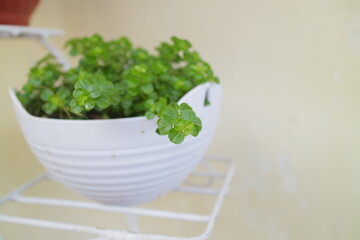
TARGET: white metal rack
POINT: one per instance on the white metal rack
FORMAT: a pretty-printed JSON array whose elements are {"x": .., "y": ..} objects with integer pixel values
[
  {"x": 39, "y": 34},
  {"x": 210, "y": 174},
  {"x": 212, "y": 187}
]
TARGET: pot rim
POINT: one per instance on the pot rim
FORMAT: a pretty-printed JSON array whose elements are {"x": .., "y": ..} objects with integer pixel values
[{"x": 25, "y": 113}]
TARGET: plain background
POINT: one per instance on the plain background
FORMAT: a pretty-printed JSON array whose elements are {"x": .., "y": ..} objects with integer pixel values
[{"x": 290, "y": 117}]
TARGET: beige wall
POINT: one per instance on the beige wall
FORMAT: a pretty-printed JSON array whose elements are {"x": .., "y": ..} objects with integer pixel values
[{"x": 291, "y": 115}]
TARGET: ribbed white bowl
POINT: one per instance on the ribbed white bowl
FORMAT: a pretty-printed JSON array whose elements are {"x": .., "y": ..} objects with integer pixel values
[{"x": 119, "y": 161}]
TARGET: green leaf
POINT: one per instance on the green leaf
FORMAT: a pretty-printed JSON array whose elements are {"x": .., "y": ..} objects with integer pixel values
[
  {"x": 170, "y": 114},
  {"x": 82, "y": 84},
  {"x": 176, "y": 137},
  {"x": 195, "y": 130},
  {"x": 150, "y": 115},
  {"x": 161, "y": 104},
  {"x": 74, "y": 107},
  {"x": 120, "y": 87},
  {"x": 132, "y": 82},
  {"x": 90, "y": 104},
  {"x": 49, "y": 108},
  {"x": 197, "y": 121},
  {"x": 126, "y": 103},
  {"x": 163, "y": 127},
  {"x": 73, "y": 53},
  {"x": 107, "y": 87},
  {"x": 46, "y": 94},
  {"x": 27, "y": 87},
  {"x": 147, "y": 88},
  {"x": 188, "y": 115},
  {"x": 133, "y": 91},
  {"x": 63, "y": 93},
  {"x": 184, "y": 106},
  {"x": 103, "y": 102},
  {"x": 78, "y": 93},
  {"x": 56, "y": 100},
  {"x": 150, "y": 103},
  {"x": 185, "y": 127},
  {"x": 36, "y": 82},
  {"x": 95, "y": 90},
  {"x": 81, "y": 100},
  {"x": 23, "y": 98},
  {"x": 115, "y": 99}
]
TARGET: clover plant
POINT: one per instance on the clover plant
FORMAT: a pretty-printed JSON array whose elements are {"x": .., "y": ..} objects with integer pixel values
[{"x": 115, "y": 80}]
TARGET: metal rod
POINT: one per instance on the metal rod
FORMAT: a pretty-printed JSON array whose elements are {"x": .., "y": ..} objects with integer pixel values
[
  {"x": 109, "y": 234},
  {"x": 205, "y": 174},
  {"x": 13, "y": 194},
  {"x": 60, "y": 226},
  {"x": 218, "y": 159},
  {"x": 120, "y": 209},
  {"x": 200, "y": 190},
  {"x": 54, "y": 51},
  {"x": 132, "y": 220},
  {"x": 25, "y": 31},
  {"x": 219, "y": 200}
]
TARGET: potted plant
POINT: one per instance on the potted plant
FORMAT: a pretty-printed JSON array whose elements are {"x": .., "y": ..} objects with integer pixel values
[{"x": 100, "y": 128}]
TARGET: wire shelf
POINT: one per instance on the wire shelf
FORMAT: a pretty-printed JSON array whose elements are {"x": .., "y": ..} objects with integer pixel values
[
  {"x": 39, "y": 34},
  {"x": 214, "y": 183},
  {"x": 25, "y": 31}
]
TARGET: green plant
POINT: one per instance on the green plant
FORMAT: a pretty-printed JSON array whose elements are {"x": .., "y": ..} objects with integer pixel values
[{"x": 115, "y": 80}]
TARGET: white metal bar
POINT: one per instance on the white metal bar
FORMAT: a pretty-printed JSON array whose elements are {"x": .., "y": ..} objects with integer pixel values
[
  {"x": 205, "y": 174},
  {"x": 108, "y": 208},
  {"x": 199, "y": 190},
  {"x": 209, "y": 173},
  {"x": 110, "y": 234},
  {"x": 218, "y": 159},
  {"x": 219, "y": 201},
  {"x": 25, "y": 31},
  {"x": 21, "y": 189},
  {"x": 55, "y": 52},
  {"x": 134, "y": 226},
  {"x": 62, "y": 226}
]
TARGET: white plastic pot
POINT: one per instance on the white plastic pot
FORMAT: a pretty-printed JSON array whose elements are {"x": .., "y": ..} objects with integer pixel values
[{"x": 119, "y": 161}]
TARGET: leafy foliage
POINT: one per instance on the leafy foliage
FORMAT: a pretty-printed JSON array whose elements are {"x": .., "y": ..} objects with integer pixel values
[{"x": 114, "y": 80}]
